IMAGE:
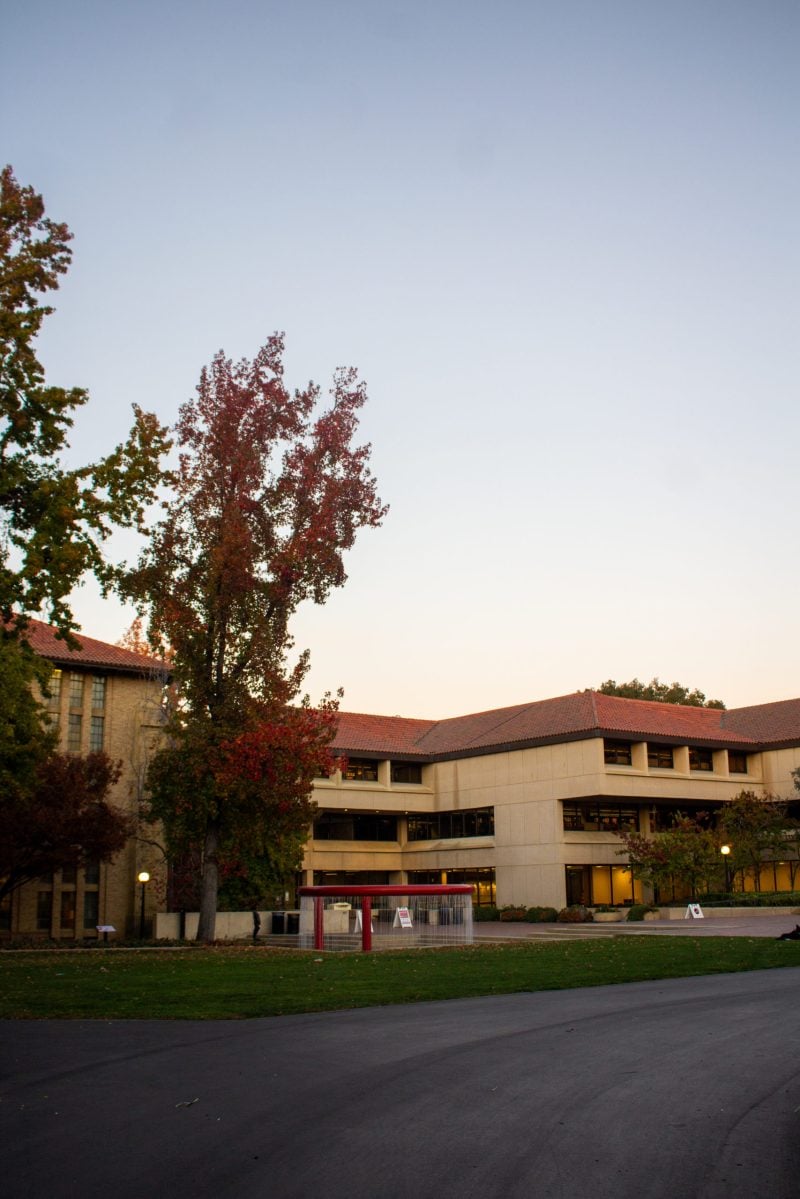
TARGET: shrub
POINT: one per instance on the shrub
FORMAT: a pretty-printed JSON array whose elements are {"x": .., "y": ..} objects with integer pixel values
[
  {"x": 485, "y": 913},
  {"x": 637, "y": 910},
  {"x": 510, "y": 912},
  {"x": 537, "y": 915},
  {"x": 576, "y": 913},
  {"x": 606, "y": 907}
]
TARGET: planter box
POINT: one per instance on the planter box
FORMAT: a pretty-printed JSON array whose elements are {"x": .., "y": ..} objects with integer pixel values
[{"x": 607, "y": 917}]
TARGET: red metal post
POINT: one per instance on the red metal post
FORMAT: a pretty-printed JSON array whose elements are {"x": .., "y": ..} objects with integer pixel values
[
  {"x": 366, "y": 923},
  {"x": 319, "y": 923}
]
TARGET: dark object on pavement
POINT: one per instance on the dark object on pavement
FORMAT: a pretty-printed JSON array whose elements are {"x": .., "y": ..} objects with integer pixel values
[
  {"x": 792, "y": 936},
  {"x": 256, "y": 924}
]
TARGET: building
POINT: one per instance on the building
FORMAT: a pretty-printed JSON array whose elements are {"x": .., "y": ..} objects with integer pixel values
[
  {"x": 526, "y": 803},
  {"x": 101, "y": 697}
]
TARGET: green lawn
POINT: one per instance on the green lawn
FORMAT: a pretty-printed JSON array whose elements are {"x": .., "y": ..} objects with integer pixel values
[{"x": 209, "y": 984}]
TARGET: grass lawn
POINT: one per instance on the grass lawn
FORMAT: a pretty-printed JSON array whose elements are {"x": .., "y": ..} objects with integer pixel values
[{"x": 233, "y": 983}]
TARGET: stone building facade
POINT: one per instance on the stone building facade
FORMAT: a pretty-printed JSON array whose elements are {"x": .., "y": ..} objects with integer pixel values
[{"x": 101, "y": 697}]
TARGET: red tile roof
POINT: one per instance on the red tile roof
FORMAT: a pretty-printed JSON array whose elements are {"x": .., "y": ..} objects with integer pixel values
[
  {"x": 568, "y": 717},
  {"x": 43, "y": 640}
]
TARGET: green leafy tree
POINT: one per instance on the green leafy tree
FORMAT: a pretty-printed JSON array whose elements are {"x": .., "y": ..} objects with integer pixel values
[
  {"x": 661, "y": 693},
  {"x": 269, "y": 493},
  {"x": 686, "y": 854},
  {"x": 755, "y": 826},
  {"x": 54, "y": 520}
]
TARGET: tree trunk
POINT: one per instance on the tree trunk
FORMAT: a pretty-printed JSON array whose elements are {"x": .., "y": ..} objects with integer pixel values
[{"x": 209, "y": 885}]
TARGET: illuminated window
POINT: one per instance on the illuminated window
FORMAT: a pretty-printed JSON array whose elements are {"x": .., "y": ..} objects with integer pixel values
[
  {"x": 360, "y": 770},
  {"x": 54, "y": 689}
]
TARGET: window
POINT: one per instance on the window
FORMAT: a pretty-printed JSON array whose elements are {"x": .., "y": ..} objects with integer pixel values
[
  {"x": 5, "y": 914},
  {"x": 75, "y": 690},
  {"x": 436, "y": 826},
  {"x": 98, "y": 692},
  {"x": 617, "y": 753},
  {"x": 355, "y": 826},
  {"x": 91, "y": 909},
  {"x": 74, "y": 732},
  {"x": 96, "y": 732},
  {"x": 481, "y": 877},
  {"x": 700, "y": 759},
  {"x": 92, "y": 873},
  {"x": 665, "y": 816},
  {"x": 737, "y": 762},
  {"x": 68, "y": 876},
  {"x": 54, "y": 691},
  {"x": 659, "y": 757},
  {"x": 67, "y": 909},
  {"x": 360, "y": 770},
  {"x": 600, "y": 816},
  {"x": 406, "y": 772},
  {"x": 355, "y": 878},
  {"x": 44, "y": 910}
]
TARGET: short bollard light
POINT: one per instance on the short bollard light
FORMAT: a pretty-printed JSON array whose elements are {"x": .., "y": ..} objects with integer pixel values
[{"x": 144, "y": 878}]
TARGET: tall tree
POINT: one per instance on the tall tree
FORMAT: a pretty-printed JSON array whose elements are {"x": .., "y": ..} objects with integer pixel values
[
  {"x": 661, "y": 693},
  {"x": 688, "y": 854},
  {"x": 755, "y": 826},
  {"x": 270, "y": 492},
  {"x": 53, "y": 520}
]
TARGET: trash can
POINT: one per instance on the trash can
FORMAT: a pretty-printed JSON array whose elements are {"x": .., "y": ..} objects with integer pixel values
[
  {"x": 293, "y": 922},
  {"x": 278, "y": 922}
]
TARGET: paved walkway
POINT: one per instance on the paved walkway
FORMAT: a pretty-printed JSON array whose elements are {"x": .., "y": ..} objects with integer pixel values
[{"x": 712, "y": 926}]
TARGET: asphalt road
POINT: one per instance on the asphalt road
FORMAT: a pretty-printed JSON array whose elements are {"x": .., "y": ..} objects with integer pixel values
[{"x": 684, "y": 1088}]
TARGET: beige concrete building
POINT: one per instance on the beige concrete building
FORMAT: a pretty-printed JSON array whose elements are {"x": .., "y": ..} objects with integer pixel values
[
  {"x": 101, "y": 697},
  {"x": 526, "y": 803}
]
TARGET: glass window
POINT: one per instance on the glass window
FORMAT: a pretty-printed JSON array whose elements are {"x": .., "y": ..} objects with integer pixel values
[
  {"x": 68, "y": 876},
  {"x": 700, "y": 759},
  {"x": 98, "y": 691},
  {"x": 406, "y": 772},
  {"x": 67, "y": 909},
  {"x": 659, "y": 757},
  {"x": 44, "y": 910},
  {"x": 74, "y": 732},
  {"x": 617, "y": 753},
  {"x": 360, "y": 770},
  {"x": 5, "y": 913},
  {"x": 54, "y": 689},
  {"x": 592, "y": 816},
  {"x": 75, "y": 690},
  {"x": 97, "y": 732},
  {"x": 92, "y": 873},
  {"x": 737, "y": 762},
  {"x": 355, "y": 826},
  {"x": 471, "y": 822},
  {"x": 91, "y": 909}
]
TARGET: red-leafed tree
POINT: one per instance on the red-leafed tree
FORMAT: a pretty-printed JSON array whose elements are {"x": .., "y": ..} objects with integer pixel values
[
  {"x": 270, "y": 492},
  {"x": 61, "y": 818}
]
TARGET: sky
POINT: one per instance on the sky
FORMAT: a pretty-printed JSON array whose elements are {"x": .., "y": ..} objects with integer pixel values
[{"x": 558, "y": 240}]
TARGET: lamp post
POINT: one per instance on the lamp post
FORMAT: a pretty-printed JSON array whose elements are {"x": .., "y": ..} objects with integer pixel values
[
  {"x": 725, "y": 851},
  {"x": 144, "y": 878}
]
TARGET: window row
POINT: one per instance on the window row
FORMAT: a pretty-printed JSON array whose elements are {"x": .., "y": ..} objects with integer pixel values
[
  {"x": 604, "y": 816},
  {"x": 662, "y": 757},
  {"x": 437, "y": 826},
  {"x": 365, "y": 770}
]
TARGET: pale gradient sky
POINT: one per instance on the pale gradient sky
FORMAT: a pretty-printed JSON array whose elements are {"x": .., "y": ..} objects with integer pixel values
[{"x": 560, "y": 241}]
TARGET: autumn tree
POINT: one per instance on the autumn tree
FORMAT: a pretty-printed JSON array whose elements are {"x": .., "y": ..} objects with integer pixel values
[
  {"x": 658, "y": 692},
  {"x": 687, "y": 854},
  {"x": 270, "y": 492},
  {"x": 62, "y": 818},
  {"x": 54, "y": 520},
  {"x": 755, "y": 826}
]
